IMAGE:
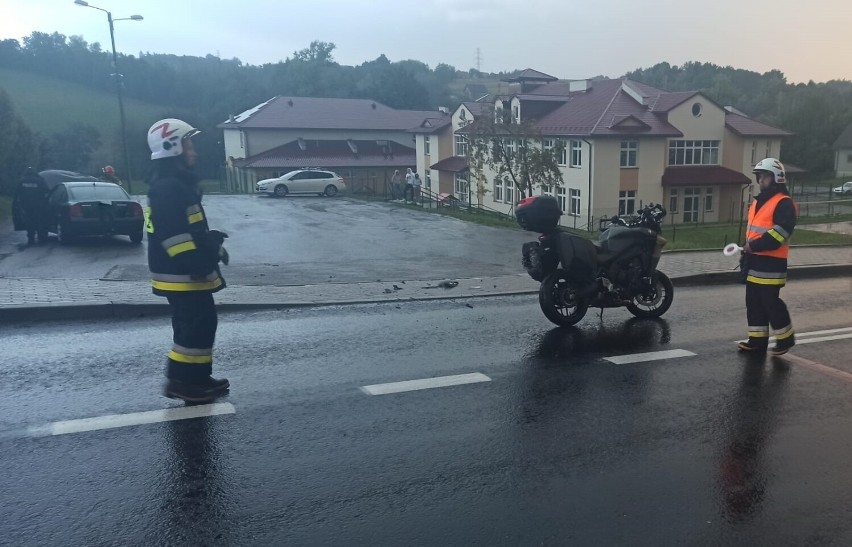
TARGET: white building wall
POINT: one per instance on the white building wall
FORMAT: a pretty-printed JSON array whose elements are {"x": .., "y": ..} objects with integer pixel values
[
  {"x": 843, "y": 162},
  {"x": 233, "y": 146}
]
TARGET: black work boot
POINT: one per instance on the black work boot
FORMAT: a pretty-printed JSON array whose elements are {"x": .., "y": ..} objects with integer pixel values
[
  {"x": 753, "y": 345},
  {"x": 783, "y": 346},
  {"x": 203, "y": 391}
]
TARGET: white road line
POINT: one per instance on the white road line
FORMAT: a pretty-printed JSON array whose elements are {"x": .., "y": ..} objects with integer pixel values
[
  {"x": 650, "y": 356},
  {"x": 800, "y": 338},
  {"x": 425, "y": 383},
  {"x": 135, "y": 418}
]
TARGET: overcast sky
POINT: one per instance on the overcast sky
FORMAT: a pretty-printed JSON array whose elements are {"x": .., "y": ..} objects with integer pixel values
[{"x": 563, "y": 38}]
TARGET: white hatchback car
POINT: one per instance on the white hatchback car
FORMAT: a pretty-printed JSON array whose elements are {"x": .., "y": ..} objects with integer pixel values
[
  {"x": 303, "y": 181},
  {"x": 845, "y": 189}
]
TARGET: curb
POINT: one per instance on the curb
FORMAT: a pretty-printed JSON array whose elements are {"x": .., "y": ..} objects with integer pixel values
[{"x": 129, "y": 310}]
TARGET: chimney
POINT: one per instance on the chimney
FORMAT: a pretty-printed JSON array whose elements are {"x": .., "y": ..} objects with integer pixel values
[{"x": 232, "y": 119}]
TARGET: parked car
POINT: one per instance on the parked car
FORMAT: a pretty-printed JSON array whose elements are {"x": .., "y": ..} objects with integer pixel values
[
  {"x": 844, "y": 189},
  {"x": 303, "y": 181},
  {"x": 89, "y": 208}
]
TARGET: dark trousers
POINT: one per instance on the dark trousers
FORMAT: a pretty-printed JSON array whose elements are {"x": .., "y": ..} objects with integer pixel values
[
  {"x": 765, "y": 308},
  {"x": 194, "y": 323},
  {"x": 34, "y": 220}
]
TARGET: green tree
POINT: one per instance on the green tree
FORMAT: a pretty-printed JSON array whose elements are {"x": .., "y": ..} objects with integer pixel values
[
  {"x": 72, "y": 148},
  {"x": 19, "y": 148},
  {"x": 514, "y": 151}
]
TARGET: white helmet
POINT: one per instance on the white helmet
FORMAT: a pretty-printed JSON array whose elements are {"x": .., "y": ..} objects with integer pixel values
[
  {"x": 771, "y": 165},
  {"x": 165, "y": 138}
]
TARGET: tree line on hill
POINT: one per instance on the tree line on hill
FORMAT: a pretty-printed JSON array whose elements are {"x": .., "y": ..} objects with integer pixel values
[{"x": 206, "y": 90}]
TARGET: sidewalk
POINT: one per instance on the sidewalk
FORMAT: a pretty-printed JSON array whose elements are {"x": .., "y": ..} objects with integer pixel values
[{"x": 24, "y": 299}]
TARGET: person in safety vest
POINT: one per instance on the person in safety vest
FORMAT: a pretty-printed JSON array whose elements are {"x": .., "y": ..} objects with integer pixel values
[
  {"x": 184, "y": 256},
  {"x": 771, "y": 219}
]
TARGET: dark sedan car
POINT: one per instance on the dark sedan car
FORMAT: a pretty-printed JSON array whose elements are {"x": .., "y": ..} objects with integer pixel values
[{"x": 93, "y": 208}]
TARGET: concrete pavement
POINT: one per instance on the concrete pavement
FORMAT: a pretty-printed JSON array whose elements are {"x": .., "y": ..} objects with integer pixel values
[{"x": 23, "y": 299}]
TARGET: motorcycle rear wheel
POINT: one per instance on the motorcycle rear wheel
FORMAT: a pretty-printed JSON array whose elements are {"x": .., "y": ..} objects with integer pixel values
[
  {"x": 557, "y": 297},
  {"x": 656, "y": 301}
]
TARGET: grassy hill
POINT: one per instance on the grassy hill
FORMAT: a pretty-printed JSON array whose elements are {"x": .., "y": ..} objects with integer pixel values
[{"x": 49, "y": 104}]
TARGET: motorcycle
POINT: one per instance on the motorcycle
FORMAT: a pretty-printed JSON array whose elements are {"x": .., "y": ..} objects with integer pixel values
[{"x": 620, "y": 270}]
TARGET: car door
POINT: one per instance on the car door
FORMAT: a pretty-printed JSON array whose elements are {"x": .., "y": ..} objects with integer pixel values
[
  {"x": 313, "y": 181},
  {"x": 298, "y": 182},
  {"x": 57, "y": 200}
]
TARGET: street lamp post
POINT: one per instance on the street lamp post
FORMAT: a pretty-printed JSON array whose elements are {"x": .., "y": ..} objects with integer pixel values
[{"x": 118, "y": 84}]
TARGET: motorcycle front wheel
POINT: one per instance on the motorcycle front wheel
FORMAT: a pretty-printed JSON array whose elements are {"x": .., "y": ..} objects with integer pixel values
[
  {"x": 558, "y": 300},
  {"x": 655, "y": 300}
]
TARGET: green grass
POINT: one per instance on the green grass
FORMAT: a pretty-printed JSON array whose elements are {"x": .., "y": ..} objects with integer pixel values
[{"x": 48, "y": 105}]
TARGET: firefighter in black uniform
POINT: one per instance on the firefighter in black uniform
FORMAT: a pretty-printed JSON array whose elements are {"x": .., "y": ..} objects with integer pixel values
[
  {"x": 30, "y": 200},
  {"x": 184, "y": 256},
  {"x": 771, "y": 219}
]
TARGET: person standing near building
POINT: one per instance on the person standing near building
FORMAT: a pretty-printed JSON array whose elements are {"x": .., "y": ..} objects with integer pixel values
[
  {"x": 30, "y": 204},
  {"x": 771, "y": 220},
  {"x": 415, "y": 188},
  {"x": 409, "y": 184},
  {"x": 184, "y": 256},
  {"x": 396, "y": 186}
]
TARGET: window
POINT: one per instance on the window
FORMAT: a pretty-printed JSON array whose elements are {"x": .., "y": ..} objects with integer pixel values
[
  {"x": 673, "y": 201},
  {"x": 574, "y": 201},
  {"x": 516, "y": 114},
  {"x": 696, "y": 109},
  {"x": 511, "y": 146},
  {"x": 546, "y": 190},
  {"x": 498, "y": 189},
  {"x": 242, "y": 140},
  {"x": 708, "y": 199},
  {"x": 427, "y": 145},
  {"x": 428, "y": 179},
  {"x": 753, "y": 152},
  {"x": 693, "y": 152},
  {"x": 461, "y": 145},
  {"x": 563, "y": 154},
  {"x": 461, "y": 187},
  {"x": 626, "y": 202},
  {"x": 510, "y": 191},
  {"x": 547, "y": 144},
  {"x": 691, "y": 197},
  {"x": 560, "y": 197},
  {"x": 576, "y": 154},
  {"x": 629, "y": 150},
  {"x": 768, "y": 149}
]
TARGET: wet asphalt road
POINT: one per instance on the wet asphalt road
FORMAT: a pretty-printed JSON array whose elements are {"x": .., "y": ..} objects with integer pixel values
[
  {"x": 293, "y": 241},
  {"x": 560, "y": 447}
]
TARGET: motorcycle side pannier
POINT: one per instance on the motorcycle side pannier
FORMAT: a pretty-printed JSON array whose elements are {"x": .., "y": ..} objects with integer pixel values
[{"x": 538, "y": 213}]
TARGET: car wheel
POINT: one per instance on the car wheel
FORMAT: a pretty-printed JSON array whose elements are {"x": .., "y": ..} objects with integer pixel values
[
  {"x": 281, "y": 190},
  {"x": 137, "y": 237},
  {"x": 63, "y": 234},
  {"x": 331, "y": 190}
]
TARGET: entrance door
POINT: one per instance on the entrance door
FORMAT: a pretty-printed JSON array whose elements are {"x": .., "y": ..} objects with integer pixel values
[{"x": 691, "y": 202}]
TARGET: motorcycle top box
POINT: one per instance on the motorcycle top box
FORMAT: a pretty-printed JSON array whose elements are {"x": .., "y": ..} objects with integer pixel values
[{"x": 538, "y": 213}]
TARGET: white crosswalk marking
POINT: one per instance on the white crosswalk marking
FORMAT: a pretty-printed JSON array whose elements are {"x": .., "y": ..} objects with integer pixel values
[
  {"x": 426, "y": 383},
  {"x": 135, "y": 418},
  {"x": 650, "y": 356}
]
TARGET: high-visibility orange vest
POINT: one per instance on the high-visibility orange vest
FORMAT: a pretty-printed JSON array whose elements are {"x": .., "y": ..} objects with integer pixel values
[{"x": 761, "y": 221}]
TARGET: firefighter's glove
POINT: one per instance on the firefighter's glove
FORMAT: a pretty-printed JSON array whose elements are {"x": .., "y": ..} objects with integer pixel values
[
  {"x": 217, "y": 237},
  {"x": 224, "y": 258}
]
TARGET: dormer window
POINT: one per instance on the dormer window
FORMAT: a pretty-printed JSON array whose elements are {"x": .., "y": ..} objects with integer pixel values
[{"x": 696, "y": 109}]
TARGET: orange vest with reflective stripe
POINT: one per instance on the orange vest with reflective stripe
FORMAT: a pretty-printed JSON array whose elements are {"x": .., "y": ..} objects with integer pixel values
[{"x": 760, "y": 222}]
